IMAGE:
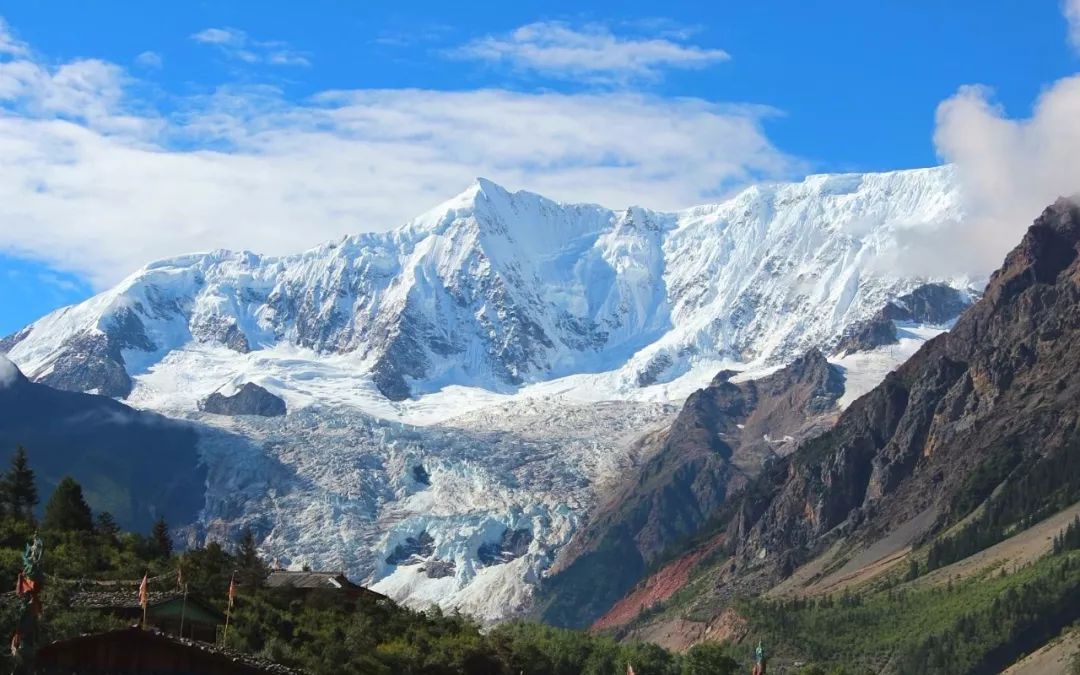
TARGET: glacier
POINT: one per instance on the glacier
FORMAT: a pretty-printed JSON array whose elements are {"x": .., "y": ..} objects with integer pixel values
[{"x": 510, "y": 346}]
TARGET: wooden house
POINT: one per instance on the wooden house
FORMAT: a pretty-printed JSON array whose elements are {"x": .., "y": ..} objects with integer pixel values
[{"x": 187, "y": 617}]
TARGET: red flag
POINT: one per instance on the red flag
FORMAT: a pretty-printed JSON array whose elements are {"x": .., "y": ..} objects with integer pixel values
[
  {"x": 232, "y": 590},
  {"x": 144, "y": 593},
  {"x": 24, "y": 584}
]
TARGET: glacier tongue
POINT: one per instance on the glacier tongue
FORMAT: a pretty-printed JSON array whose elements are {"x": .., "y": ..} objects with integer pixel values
[
  {"x": 409, "y": 509},
  {"x": 462, "y": 389}
]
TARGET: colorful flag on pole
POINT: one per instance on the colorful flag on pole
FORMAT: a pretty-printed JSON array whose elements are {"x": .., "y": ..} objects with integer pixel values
[{"x": 144, "y": 593}]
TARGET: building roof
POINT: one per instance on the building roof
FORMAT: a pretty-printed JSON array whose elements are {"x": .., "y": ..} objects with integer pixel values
[
  {"x": 119, "y": 599},
  {"x": 211, "y": 657},
  {"x": 308, "y": 579},
  {"x": 126, "y": 601}
]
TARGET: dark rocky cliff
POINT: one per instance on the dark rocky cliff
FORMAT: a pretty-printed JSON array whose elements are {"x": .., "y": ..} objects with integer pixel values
[
  {"x": 250, "y": 399},
  {"x": 994, "y": 396}
]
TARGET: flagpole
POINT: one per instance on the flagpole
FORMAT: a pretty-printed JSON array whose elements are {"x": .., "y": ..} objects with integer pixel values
[
  {"x": 228, "y": 609},
  {"x": 183, "y": 611},
  {"x": 144, "y": 597}
]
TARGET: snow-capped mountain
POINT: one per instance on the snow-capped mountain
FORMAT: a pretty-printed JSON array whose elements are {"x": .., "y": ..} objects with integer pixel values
[
  {"x": 492, "y": 326},
  {"x": 496, "y": 289}
]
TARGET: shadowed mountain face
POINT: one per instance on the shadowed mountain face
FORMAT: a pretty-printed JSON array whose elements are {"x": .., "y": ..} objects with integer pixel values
[
  {"x": 935, "y": 304},
  {"x": 136, "y": 465},
  {"x": 722, "y": 438},
  {"x": 981, "y": 404}
]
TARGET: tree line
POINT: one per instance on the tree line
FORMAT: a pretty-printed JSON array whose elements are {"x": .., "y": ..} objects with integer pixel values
[{"x": 319, "y": 632}]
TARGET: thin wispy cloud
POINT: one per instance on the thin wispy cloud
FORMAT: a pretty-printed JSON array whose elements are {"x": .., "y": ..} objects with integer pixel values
[
  {"x": 238, "y": 45},
  {"x": 592, "y": 52},
  {"x": 149, "y": 60},
  {"x": 1071, "y": 8},
  {"x": 9, "y": 45}
]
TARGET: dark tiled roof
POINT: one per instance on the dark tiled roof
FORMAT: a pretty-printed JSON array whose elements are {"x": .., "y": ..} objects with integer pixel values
[
  {"x": 128, "y": 635},
  {"x": 288, "y": 579},
  {"x": 119, "y": 599}
]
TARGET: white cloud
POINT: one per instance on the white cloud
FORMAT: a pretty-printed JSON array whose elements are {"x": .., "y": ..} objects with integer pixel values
[
  {"x": 91, "y": 182},
  {"x": 149, "y": 60},
  {"x": 1009, "y": 170},
  {"x": 1071, "y": 8},
  {"x": 590, "y": 53},
  {"x": 220, "y": 36},
  {"x": 9, "y": 372},
  {"x": 237, "y": 44},
  {"x": 88, "y": 90},
  {"x": 9, "y": 44}
]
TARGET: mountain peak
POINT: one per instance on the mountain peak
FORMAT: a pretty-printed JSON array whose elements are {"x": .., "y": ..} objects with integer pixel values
[{"x": 488, "y": 186}]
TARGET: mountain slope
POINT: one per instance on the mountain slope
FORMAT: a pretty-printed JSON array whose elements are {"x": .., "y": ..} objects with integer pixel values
[
  {"x": 721, "y": 439},
  {"x": 495, "y": 290},
  {"x": 136, "y": 465},
  {"x": 973, "y": 439}
]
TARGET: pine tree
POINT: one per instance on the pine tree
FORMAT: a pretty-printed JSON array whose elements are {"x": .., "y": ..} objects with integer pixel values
[
  {"x": 67, "y": 510},
  {"x": 160, "y": 539},
  {"x": 105, "y": 525},
  {"x": 252, "y": 570},
  {"x": 19, "y": 492}
]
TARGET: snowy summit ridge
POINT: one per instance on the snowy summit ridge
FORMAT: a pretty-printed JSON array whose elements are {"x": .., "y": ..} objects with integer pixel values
[{"x": 495, "y": 289}]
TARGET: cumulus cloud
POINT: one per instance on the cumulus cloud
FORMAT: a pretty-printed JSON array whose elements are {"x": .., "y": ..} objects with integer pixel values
[
  {"x": 591, "y": 53},
  {"x": 1009, "y": 171},
  {"x": 93, "y": 182},
  {"x": 237, "y": 44}
]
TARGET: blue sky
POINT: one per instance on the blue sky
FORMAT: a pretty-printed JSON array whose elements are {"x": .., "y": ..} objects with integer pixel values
[{"x": 131, "y": 131}]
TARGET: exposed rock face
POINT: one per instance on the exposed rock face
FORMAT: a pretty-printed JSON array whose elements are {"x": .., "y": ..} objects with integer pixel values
[
  {"x": 92, "y": 360},
  {"x": 722, "y": 438},
  {"x": 420, "y": 475},
  {"x": 251, "y": 399},
  {"x": 438, "y": 569},
  {"x": 1001, "y": 380},
  {"x": 514, "y": 544},
  {"x": 936, "y": 304},
  {"x": 413, "y": 551}
]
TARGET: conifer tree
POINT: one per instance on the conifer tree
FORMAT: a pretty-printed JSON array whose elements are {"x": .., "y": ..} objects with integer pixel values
[
  {"x": 105, "y": 525},
  {"x": 67, "y": 510},
  {"x": 252, "y": 570},
  {"x": 160, "y": 539},
  {"x": 18, "y": 489}
]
